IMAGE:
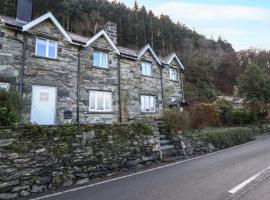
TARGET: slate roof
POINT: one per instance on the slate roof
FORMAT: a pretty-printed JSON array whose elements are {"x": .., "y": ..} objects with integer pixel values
[
  {"x": 127, "y": 51},
  {"x": 78, "y": 38},
  {"x": 10, "y": 21}
]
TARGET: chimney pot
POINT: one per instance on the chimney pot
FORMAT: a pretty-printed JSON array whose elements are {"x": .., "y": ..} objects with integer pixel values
[{"x": 24, "y": 10}]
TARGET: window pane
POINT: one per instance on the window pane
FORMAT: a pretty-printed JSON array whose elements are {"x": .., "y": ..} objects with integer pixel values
[
  {"x": 41, "y": 47},
  {"x": 108, "y": 100},
  {"x": 96, "y": 58},
  {"x": 99, "y": 99},
  {"x": 142, "y": 103},
  {"x": 104, "y": 60},
  {"x": 152, "y": 104},
  {"x": 52, "y": 49},
  {"x": 147, "y": 103},
  {"x": 92, "y": 100},
  {"x": 147, "y": 69},
  {"x": 4, "y": 86}
]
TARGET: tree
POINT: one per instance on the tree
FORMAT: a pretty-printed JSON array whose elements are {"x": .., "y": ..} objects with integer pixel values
[{"x": 252, "y": 84}]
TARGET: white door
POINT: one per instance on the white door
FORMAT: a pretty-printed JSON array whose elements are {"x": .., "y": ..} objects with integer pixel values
[{"x": 43, "y": 105}]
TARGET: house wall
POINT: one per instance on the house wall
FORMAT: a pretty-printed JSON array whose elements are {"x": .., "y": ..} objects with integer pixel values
[
  {"x": 171, "y": 88},
  {"x": 59, "y": 73},
  {"x": 134, "y": 84},
  {"x": 62, "y": 74},
  {"x": 94, "y": 78}
]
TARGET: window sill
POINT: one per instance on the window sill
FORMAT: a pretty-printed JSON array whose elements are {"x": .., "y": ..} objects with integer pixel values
[
  {"x": 46, "y": 58},
  {"x": 155, "y": 112},
  {"x": 100, "y": 112},
  {"x": 176, "y": 81},
  {"x": 148, "y": 76},
  {"x": 102, "y": 68}
]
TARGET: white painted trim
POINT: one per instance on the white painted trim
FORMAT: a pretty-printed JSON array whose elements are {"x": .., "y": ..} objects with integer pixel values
[
  {"x": 139, "y": 173},
  {"x": 144, "y": 49},
  {"x": 32, "y": 96},
  {"x": 248, "y": 181},
  {"x": 177, "y": 59},
  {"x": 47, "y": 47},
  {"x": 103, "y": 33},
  {"x": 42, "y": 18},
  {"x": 95, "y": 109}
]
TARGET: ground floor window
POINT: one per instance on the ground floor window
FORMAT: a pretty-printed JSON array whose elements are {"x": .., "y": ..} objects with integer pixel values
[
  {"x": 148, "y": 103},
  {"x": 100, "y": 101},
  {"x": 4, "y": 86}
]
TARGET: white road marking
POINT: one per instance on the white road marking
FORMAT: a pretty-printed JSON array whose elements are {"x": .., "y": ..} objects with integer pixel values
[
  {"x": 138, "y": 173},
  {"x": 246, "y": 182}
]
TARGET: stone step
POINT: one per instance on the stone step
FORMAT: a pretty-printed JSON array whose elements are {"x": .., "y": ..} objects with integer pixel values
[
  {"x": 162, "y": 137},
  {"x": 164, "y": 142},
  {"x": 166, "y": 147}
]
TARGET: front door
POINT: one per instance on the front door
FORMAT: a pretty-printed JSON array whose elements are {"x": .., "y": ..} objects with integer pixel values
[{"x": 43, "y": 105}]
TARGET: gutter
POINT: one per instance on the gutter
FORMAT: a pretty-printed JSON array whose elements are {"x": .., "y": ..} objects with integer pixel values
[
  {"x": 161, "y": 82},
  {"x": 22, "y": 64},
  {"x": 78, "y": 84},
  {"x": 119, "y": 91}
]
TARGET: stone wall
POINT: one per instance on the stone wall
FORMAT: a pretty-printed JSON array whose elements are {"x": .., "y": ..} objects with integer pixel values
[
  {"x": 36, "y": 159},
  {"x": 134, "y": 84},
  {"x": 171, "y": 88},
  {"x": 101, "y": 79}
]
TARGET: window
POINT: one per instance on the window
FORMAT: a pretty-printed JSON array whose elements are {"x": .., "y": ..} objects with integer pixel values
[
  {"x": 173, "y": 74},
  {"x": 4, "y": 86},
  {"x": 100, "y": 101},
  {"x": 148, "y": 103},
  {"x": 147, "y": 69},
  {"x": 46, "y": 48},
  {"x": 100, "y": 59},
  {"x": 173, "y": 99}
]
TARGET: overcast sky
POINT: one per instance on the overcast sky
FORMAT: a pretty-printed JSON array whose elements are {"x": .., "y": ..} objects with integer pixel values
[{"x": 244, "y": 23}]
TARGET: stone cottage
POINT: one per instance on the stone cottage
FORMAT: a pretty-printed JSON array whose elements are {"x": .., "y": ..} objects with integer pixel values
[{"x": 64, "y": 77}]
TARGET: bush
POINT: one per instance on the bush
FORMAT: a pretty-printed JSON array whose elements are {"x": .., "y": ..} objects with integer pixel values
[
  {"x": 224, "y": 137},
  {"x": 176, "y": 121},
  {"x": 204, "y": 115},
  {"x": 240, "y": 116},
  {"x": 10, "y": 107}
]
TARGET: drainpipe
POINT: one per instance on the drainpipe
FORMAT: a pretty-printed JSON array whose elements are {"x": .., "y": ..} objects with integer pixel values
[
  {"x": 119, "y": 91},
  {"x": 22, "y": 63},
  {"x": 161, "y": 82},
  {"x": 182, "y": 85},
  {"x": 78, "y": 84}
]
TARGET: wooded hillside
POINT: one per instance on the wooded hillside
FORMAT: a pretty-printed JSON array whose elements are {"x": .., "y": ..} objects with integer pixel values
[{"x": 213, "y": 65}]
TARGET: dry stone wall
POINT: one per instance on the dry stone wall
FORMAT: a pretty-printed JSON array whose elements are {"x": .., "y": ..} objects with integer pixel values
[{"x": 36, "y": 159}]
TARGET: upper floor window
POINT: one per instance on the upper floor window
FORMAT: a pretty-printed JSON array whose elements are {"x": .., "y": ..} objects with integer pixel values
[
  {"x": 100, "y": 101},
  {"x": 147, "y": 69},
  {"x": 173, "y": 74},
  {"x": 173, "y": 99},
  {"x": 46, "y": 48},
  {"x": 100, "y": 59},
  {"x": 148, "y": 103},
  {"x": 4, "y": 86}
]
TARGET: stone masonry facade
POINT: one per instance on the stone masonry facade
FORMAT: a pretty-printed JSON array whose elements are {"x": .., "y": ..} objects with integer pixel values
[{"x": 74, "y": 75}]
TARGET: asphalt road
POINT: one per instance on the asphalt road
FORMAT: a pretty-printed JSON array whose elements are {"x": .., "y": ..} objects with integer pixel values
[{"x": 206, "y": 178}]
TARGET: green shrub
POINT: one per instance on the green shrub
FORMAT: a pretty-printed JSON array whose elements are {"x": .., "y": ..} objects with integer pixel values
[
  {"x": 224, "y": 137},
  {"x": 240, "y": 116},
  {"x": 225, "y": 115},
  {"x": 10, "y": 107}
]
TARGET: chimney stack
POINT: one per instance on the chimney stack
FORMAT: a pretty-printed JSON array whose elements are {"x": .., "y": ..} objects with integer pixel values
[
  {"x": 24, "y": 11},
  {"x": 111, "y": 29}
]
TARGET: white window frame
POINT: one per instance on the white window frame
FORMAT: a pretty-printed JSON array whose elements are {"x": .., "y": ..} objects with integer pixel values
[
  {"x": 173, "y": 74},
  {"x": 144, "y": 106},
  {"x": 47, "y": 48},
  {"x": 5, "y": 86},
  {"x": 104, "y": 104},
  {"x": 173, "y": 99},
  {"x": 100, "y": 59},
  {"x": 145, "y": 68}
]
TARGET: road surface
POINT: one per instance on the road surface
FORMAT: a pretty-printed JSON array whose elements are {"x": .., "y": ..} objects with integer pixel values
[{"x": 206, "y": 178}]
